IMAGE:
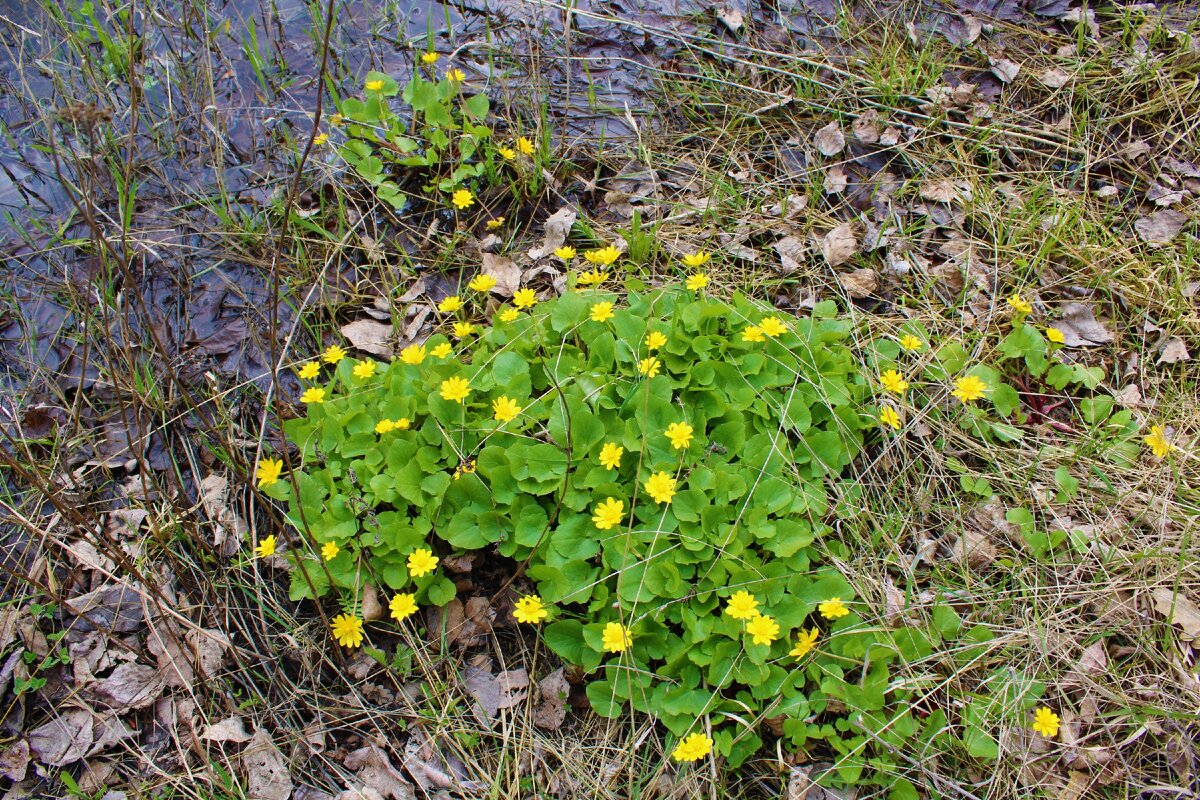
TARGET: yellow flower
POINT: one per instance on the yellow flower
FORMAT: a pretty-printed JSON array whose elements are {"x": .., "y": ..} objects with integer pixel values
[
  {"x": 450, "y": 304},
  {"x": 1055, "y": 335},
  {"x": 505, "y": 409},
  {"x": 268, "y": 472},
  {"x": 364, "y": 369},
  {"x": 482, "y": 283},
  {"x": 348, "y": 630},
  {"x": 833, "y": 608},
  {"x": 752, "y": 333},
  {"x": 649, "y": 366},
  {"x": 509, "y": 314},
  {"x": 742, "y": 605},
  {"x": 462, "y": 199},
  {"x": 455, "y": 389},
  {"x": 266, "y": 547},
  {"x": 762, "y": 629},
  {"x": 605, "y": 256},
  {"x": 421, "y": 562},
  {"x": 492, "y": 224},
  {"x": 333, "y": 354},
  {"x": 692, "y": 747},
  {"x": 661, "y": 487},
  {"x": 430, "y": 58},
  {"x": 403, "y": 606},
  {"x": 1019, "y": 304},
  {"x": 593, "y": 277},
  {"x": 773, "y": 326},
  {"x": 373, "y": 86},
  {"x": 696, "y": 282},
  {"x": 320, "y": 139},
  {"x": 313, "y": 394},
  {"x": 610, "y": 455},
  {"x": 889, "y": 417},
  {"x": 442, "y": 350},
  {"x": 507, "y": 153},
  {"x": 525, "y": 145},
  {"x": 655, "y": 340},
  {"x": 402, "y": 424},
  {"x": 463, "y": 329},
  {"x": 1046, "y": 722},
  {"x": 530, "y": 610},
  {"x": 911, "y": 343},
  {"x": 893, "y": 382},
  {"x": 456, "y": 75},
  {"x": 385, "y": 426},
  {"x": 609, "y": 513},
  {"x": 336, "y": 119},
  {"x": 601, "y": 312},
  {"x": 615, "y": 638},
  {"x": 680, "y": 434},
  {"x": 413, "y": 354},
  {"x": 566, "y": 252},
  {"x": 1157, "y": 442},
  {"x": 310, "y": 370},
  {"x": 329, "y": 551},
  {"x": 525, "y": 298},
  {"x": 697, "y": 259},
  {"x": 969, "y": 388},
  {"x": 805, "y": 642}
]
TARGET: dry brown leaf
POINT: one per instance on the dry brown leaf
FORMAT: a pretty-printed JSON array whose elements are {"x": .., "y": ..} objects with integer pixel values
[
  {"x": 731, "y": 17},
  {"x": 829, "y": 140},
  {"x": 14, "y": 761},
  {"x": 1054, "y": 78},
  {"x": 1076, "y": 788},
  {"x": 63, "y": 740},
  {"x": 229, "y": 529},
  {"x": 1094, "y": 659},
  {"x": 369, "y": 336},
  {"x": 1130, "y": 396},
  {"x": 839, "y": 245},
  {"x": 1080, "y": 328},
  {"x": 552, "y": 711},
  {"x": 266, "y": 770},
  {"x": 1005, "y": 70},
  {"x": 1178, "y": 610},
  {"x": 130, "y": 686},
  {"x": 372, "y": 609},
  {"x": 860, "y": 283},
  {"x": 866, "y": 127},
  {"x": 493, "y": 693},
  {"x": 557, "y": 228},
  {"x": 227, "y": 730},
  {"x": 836, "y": 179},
  {"x": 944, "y": 190},
  {"x": 375, "y": 771},
  {"x": 793, "y": 252},
  {"x": 1173, "y": 351},
  {"x": 88, "y": 556},
  {"x": 9, "y": 616},
  {"x": 506, "y": 273},
  {"x": 1160, "y": 227}
]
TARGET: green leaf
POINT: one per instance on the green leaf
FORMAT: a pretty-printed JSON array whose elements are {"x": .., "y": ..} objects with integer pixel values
[{"x": 476, "y": 107}]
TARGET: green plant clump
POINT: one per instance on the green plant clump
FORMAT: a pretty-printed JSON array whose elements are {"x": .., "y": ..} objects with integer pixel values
[{"x": 682, "y": 572}]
